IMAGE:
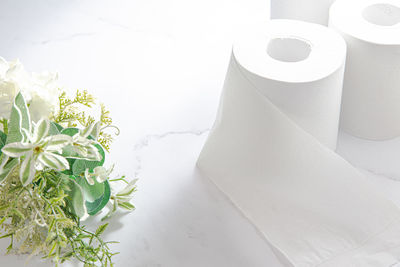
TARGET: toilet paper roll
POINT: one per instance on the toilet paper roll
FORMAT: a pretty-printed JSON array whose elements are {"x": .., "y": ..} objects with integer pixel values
[
  {"x": 371, "y": 95},
  {"x": 268, "y": 152},
  {"x": 306, "y": 10}
]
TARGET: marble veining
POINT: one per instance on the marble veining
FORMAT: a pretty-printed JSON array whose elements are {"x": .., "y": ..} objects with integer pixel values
[{"x": 159, "y": 66}]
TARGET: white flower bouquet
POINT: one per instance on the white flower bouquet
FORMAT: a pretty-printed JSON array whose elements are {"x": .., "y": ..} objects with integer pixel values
[{"x": 51, "y": 169}]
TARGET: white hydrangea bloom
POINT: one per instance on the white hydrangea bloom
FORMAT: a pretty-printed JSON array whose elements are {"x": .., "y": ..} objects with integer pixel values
[
  {"x": 8, "y": 91},
  {"x": 39, "y": 90}
]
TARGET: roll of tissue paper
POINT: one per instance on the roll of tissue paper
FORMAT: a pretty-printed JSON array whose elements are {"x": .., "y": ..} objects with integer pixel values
[
  {"x": 306, "y": 10},
  {"x": 371, "y": 94},
  {"x": 270, "y": 151}
]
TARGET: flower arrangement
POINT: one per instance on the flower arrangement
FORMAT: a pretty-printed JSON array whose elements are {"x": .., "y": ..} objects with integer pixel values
[{"x": 52, "y": 173}]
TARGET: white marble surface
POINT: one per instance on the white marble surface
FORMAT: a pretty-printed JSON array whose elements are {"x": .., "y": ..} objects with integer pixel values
[{"x": 160, "y": 66}]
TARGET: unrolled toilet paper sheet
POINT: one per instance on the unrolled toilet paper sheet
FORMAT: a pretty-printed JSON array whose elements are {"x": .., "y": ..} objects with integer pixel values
[{"x": 276, "y": 163}]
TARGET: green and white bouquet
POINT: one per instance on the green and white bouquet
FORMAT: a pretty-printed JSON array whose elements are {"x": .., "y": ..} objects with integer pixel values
[{"x": 52, "y": 173}]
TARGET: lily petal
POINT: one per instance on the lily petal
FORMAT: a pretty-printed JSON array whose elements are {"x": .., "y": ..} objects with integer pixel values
[
  {"x": 17, "y": 149},
  {"x": 83, "y": 141},
  {"x": 93, "y": 153},
  {"x": 87, "y": 131},
  {"x": 27, "y": 171},
  {"x": 57, "y": 142},
  {"x": 102, "y": 173},
  {"x": 54, "y": 161},
  {"x": 41, "y": 130},
  {"x": 128, "y": 190},
  {"x": 96, "y": 130},
  {"x": 88, "y": 177},
  {"x": 81, "y": 151}
]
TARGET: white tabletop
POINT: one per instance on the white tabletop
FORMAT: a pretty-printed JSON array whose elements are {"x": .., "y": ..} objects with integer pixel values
[{"x": 159, "y": 66}]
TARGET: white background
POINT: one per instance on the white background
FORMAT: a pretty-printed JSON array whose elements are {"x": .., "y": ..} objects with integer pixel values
[{"x": 159, "y": 65}]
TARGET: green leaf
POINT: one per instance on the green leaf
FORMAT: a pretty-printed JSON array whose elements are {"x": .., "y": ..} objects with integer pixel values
[
  {"x": 96, "y": 196},
  {"x": 14, "y": 130},
  {"x": 75, "y": 197},
  {"x": 2, "y": 220},
  {"x": 126, "y": 205},
  {"x": 100, "y": 203},
  {"x": 3, "y": 139},
  {"x": 17, "y": 149},
  {"x": 52, "y": 249},
  {"x": 6, "y": 235},
  {"x": 101, "y": 229},
  {"x": 81, "y": 165},
  {"x": 68, "y": 152},
  {"x": 8, "y": 168},
  {"x": 19, "y": 119},
  {"x": 55, "y": 128},
  {"x": 17, "y": 212},
  {"x": 70, "y": 131},
  {"x": 10, "y": 247}
]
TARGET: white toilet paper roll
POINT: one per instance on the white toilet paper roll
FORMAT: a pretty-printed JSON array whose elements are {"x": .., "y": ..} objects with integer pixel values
[
  {"x": 267, "y": 153},
  {"x": 310, "y": 95},
  {"x": 371, "y": 95},
  {"x": 306, "y": 10}
]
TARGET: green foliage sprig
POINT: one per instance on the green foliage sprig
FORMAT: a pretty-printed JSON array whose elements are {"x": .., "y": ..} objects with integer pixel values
[
  {"x": 37, "y": 220},
  {"x": 68, "y": 108},
  {"x": 69, "y": 114}
]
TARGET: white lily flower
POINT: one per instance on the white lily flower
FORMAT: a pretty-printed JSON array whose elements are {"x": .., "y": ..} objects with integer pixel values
[
  {"x": 126, "y": 194},
  {"x": 39, "y": 151},
  {"x": 84, "y": 146},
  {"x": 99, "y": 173},
  {"x": 88, "y": 177}
]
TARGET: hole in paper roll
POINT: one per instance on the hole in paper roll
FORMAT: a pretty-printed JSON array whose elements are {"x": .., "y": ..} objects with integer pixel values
[
  {"x": 288, "y": 49},
  {"x": 382, "y": 14}
]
